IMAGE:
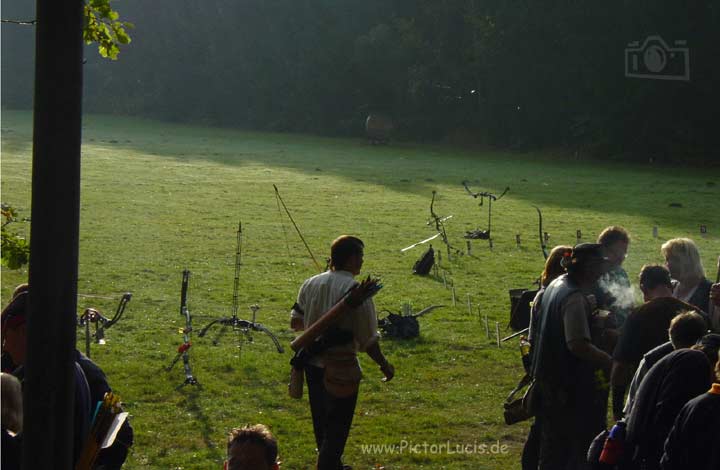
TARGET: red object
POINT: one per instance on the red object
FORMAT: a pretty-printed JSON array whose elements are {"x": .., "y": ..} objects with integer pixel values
[
  {"x": 184, "y": 347},
  {"x": 612, "y": 451}
]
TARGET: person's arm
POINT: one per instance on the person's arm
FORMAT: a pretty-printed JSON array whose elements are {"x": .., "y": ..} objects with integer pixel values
[
  {"x": 376, "y": 355},
  {"x": 577, "y": 332},
  {"x": 365, "y": 332},
  {"x": 715, "y": 307},
  {"x": 297, "y": 314},
  {"x": 297, "y": 324},
  {"x": 620, "y": 377},
  {"x": 585, "y": 350}
]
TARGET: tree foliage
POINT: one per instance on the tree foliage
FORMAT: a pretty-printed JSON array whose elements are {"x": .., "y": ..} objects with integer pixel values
[
  {"x": 520, "y": 74},
  {"x": 103, "y": 26},
  {"x": 15, "y": 249}
]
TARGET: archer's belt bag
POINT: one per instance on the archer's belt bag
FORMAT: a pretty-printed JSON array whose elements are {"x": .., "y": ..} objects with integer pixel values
[{"x": 342, "y": 375}]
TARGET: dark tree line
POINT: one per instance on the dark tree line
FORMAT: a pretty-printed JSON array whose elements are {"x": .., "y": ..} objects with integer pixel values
[{"x": 520, "y": 74}]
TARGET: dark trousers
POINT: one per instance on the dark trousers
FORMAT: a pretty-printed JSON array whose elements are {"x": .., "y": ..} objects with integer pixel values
[
  {"x": 332, "y": 417},
  {"x": 531, "y": 450},
  {"x": 568, "y": 424}
]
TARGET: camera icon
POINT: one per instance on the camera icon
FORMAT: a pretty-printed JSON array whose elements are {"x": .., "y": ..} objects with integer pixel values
[{"x": 656, "y": 60}]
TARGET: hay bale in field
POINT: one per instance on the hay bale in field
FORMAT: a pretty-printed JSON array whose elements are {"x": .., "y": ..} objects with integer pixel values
[{"x": 379, "y": 128}]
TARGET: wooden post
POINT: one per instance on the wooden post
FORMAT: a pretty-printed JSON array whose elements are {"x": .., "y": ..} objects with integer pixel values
[{"x": 49, "y": 385}]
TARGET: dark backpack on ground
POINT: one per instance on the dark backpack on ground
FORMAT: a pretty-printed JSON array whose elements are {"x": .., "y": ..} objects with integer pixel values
[
  {"x": 400, "y": 326},
  {"x": 425, "y": 263}
]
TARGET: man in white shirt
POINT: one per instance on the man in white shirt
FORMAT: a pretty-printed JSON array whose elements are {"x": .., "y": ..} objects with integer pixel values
[{"x": 333, "y": 371}]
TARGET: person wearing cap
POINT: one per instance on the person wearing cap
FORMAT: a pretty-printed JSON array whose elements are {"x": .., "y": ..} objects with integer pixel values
[
  {"x": 14, "y": 349},
  {"x": 613, "y": 291},
  {"x": 567, "y": 366}
]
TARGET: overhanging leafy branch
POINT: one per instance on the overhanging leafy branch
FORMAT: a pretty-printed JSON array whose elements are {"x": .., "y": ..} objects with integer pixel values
[{"x": 103, "y": 26}]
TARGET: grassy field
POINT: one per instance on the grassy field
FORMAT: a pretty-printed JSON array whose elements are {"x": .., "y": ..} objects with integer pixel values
[{"x": 158, "y": 198}]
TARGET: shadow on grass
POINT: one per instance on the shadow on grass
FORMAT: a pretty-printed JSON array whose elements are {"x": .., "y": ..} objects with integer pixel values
[{"x": 191, "y": 393}]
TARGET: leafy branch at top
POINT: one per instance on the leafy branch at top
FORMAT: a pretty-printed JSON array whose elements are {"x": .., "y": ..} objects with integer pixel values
[{"x": 103, "y": 26}]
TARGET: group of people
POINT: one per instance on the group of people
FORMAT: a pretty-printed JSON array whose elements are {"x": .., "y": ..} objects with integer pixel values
[
  {"x": 656, "y": 360},
  {"x": 588, "y": 343}
]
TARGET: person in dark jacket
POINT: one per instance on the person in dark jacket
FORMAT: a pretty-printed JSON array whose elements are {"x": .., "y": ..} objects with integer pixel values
[
  {"x": 553, "y": 270},
  {"x": 646, "y": 328},
  {"x": 676, "y": 379},
  {"x": 693, "y": 442},
  {"x": 568, "y": 368}
]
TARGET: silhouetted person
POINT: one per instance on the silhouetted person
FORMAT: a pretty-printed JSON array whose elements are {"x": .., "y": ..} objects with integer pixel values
[
  {"x": 685, "y": 330},
  {"x": 646, "y": 328},
  {"x": 694, "y": 440},
  {"x": 553, "y": 269},
  {"x": 676, "y": 379}
]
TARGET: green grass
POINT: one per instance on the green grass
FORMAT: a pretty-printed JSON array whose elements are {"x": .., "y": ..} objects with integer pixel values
[{"x": 158, "y": 198}]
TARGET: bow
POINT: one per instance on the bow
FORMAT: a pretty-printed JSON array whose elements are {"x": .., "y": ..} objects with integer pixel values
[
  {"x": 183, "y": 349},
  {"x": 233, "y": 321},
  {"x": 244, "y": 326},
  {"x": 440, "y": 226},
  {"x": 102, "y": 323},
  {"x": 479, "y": 233},
  {"x": 280, "y": 200}
]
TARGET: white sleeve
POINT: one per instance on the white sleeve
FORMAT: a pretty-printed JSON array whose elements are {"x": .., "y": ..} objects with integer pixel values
[
  {"x": 365, "y": 325},
  {"x": 298, "y": 309}
]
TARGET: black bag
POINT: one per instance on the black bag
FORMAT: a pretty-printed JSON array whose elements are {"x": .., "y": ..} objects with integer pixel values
[
  {"x": 425, "y": 263},
  {"x": 400, "y": 326},
  {"x": 521, "y": 409}
]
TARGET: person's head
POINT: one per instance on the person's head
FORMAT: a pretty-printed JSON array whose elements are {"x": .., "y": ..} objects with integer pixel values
[
  {"x": 12, "y": 405},
  {"x": 710, "y": 345},
  {"x": 553, "y": 265},
  {"x": 587, "y": 263},
  {"x": 682, "y": 258},
  {"x": 251, "y": 448},
  {"x": 615, "y": 241},
  {"x": 14, "y": 337},
  {"x": 346, "y": 254},
  {"x": 655, "y": 282},
  {"x": 717, "y": 369},
  {"x": 20, "y": 288},
  {"x": 686, "y": 329}
]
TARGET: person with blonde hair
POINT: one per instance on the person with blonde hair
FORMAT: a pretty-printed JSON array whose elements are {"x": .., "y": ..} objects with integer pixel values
[{"x": 682, "y": 258}]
